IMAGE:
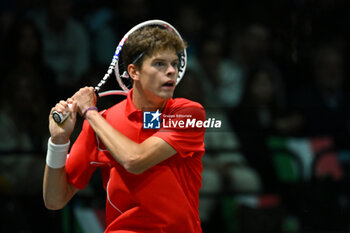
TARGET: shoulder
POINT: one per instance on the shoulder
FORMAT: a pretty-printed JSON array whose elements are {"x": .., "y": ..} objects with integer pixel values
[
  {"x": 115, "y": 109},
  {"x": 185, "y": 107},
  {"x": 182, "y": 102}
]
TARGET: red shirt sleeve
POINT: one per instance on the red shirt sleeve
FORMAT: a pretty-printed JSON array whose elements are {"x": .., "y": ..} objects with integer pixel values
[
  {"x": 180, "y": 128},
  {"x": 78, "y": 165}
]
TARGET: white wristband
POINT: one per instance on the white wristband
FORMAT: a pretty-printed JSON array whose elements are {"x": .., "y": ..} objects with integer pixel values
[{"x": 56, "y": 154}]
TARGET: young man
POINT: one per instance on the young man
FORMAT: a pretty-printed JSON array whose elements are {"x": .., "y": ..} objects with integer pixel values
[{"x": 152, "y": 177}]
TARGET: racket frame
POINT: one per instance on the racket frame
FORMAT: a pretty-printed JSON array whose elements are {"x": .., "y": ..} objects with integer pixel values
[
  {"x": 59, "y": 118},
  {"x": 115, "y": 60}
]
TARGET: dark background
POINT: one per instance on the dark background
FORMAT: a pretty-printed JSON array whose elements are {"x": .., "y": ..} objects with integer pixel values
[{"x": 287, "y": 167}]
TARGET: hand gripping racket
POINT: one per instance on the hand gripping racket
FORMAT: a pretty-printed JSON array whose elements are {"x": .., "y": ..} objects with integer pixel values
[{"x": 121, "y": 75}]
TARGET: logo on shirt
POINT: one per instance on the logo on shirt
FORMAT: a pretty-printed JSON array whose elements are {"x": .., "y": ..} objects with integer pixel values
[{"x": 151, "y": 120}]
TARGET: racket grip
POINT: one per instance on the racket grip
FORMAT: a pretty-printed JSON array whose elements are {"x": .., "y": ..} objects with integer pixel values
[
  {"x": 96, "y": 92},
  {"x": 58, "y": 117}
]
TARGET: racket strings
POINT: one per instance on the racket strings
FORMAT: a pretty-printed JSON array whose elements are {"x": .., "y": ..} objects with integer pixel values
[{"x": 119, "y": 67}]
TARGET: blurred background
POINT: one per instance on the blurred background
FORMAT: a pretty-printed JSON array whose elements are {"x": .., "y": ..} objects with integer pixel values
[{"x": 276, "y": 73}]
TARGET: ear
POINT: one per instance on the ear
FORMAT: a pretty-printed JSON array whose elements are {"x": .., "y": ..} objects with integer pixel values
[{"x": 133, "y": 72}]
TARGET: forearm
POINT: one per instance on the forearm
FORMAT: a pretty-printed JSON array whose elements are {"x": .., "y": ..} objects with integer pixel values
[
  {"x": 134, "y": 157},
  {"x": 56, "y": 190},
  {"x": 125, "y": 151}
]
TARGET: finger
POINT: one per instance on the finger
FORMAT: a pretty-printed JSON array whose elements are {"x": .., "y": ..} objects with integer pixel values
[
  {"x": 73, "y": 109},
  {"x": 92, "y": 91},
  {"x": 69, "y": 104},
  {"x": 66, "y": 106},
  {"x": 74, "y": 97},
  {"x": 72, "y": 105},
  {"x": 52, "y": 110},
  {"x": 63, "y": 103},
  {"x": 84, "y": 88},
  {"x": 61, "y": 108}
]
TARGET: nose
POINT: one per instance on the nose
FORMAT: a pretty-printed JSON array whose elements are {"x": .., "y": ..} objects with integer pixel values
[{"x": 171, "y": 70}]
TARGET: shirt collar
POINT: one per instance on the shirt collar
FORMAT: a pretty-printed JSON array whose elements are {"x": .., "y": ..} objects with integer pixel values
[{"x": 130, "y": 108}]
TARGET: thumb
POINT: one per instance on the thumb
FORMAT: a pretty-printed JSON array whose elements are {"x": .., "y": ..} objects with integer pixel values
[{"x": 74, "y": 109}]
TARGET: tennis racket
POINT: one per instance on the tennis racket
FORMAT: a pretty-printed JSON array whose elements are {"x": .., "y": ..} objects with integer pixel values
[{"x": 120, "y": 73}]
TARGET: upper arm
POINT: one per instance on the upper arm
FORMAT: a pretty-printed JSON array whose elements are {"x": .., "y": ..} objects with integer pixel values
[
  {"x": 151, "y": 152},
  {"x": 186, "y": 141},
  {"x": 78, "y": 165}
]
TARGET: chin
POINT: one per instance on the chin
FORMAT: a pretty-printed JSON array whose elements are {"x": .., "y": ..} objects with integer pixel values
[{"x": 166, "y": 94}]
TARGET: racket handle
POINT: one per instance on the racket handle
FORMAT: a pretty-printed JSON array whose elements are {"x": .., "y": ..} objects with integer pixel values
[
  {"x": 59, "y": 118},
  {"x": 96, "y": 92}
]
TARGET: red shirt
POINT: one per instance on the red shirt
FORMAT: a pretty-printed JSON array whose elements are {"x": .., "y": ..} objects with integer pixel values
[{"x": 164, "y": 198}]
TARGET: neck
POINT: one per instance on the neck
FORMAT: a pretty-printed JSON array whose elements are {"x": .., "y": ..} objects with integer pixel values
[{"x": 147, "y": 102}]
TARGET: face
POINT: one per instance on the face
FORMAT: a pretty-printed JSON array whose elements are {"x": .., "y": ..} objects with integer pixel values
[{"x": 157, "y": 76}]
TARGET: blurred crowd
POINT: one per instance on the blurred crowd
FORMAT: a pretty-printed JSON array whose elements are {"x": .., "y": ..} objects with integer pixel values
[{"x": 276, "y": 73}]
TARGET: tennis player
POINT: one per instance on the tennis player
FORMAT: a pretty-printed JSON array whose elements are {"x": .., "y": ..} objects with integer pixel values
[{"x": 152, "y": 177}]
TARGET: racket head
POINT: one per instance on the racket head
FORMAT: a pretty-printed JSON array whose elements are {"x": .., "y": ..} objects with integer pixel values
[{"x": 123, "y": 79}]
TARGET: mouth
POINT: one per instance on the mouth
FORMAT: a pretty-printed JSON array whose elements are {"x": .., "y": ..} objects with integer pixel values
[{"x": 169, "y": 84}]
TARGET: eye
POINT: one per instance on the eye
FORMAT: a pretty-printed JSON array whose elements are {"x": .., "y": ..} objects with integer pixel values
[
  {"x": 175, "y": 64},
  {"x": 159, "y": 63}
]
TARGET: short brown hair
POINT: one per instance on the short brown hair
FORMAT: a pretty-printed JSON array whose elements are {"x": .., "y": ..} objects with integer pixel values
[{"x": 147, "y": 41}]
